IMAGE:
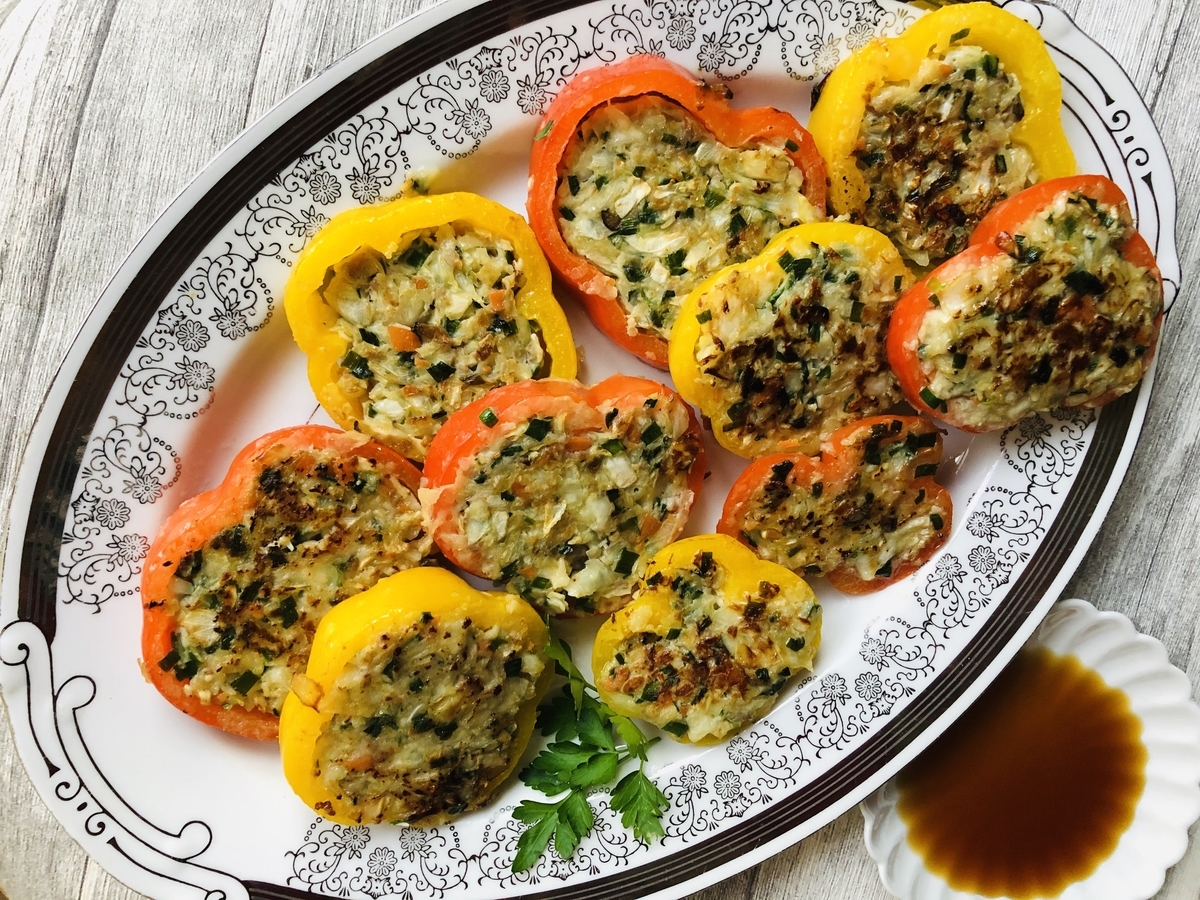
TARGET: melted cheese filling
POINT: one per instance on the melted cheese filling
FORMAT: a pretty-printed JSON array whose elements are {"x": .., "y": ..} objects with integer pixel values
[
  {"x": 872, "y": 523},
  {"x": 422, "y": 721},
  {"x": 725, "y": 658},
  {"x": 1061, "y": 320},
  {"x": 937, "y": 152},
  {"x": 567, "y": 520},
  {"x": 651, "y": 197},
  {"x": 798, "y": 349},
  {"x": 430, "y": 329},
  {"x": 322, "y": 528}
]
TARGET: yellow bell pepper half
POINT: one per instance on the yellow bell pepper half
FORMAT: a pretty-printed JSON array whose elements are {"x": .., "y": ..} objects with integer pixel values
[
  {"x": 840, "y": 385},
  {"x": 710, "y": 642},
  {"x": 419, "y": 699},
  {"x": 838, "y": 115},
  {"x": 389, "y": 228}
]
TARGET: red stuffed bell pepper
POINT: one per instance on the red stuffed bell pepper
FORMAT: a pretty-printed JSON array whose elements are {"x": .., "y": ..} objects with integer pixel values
[
  {"x": 1057, "y": 302},
  {"x": 644, "y": 182},
  {"x": 562, "y": 492},
  {"x": 865, "y": 512},
  {"x": 238, "y": 577}
]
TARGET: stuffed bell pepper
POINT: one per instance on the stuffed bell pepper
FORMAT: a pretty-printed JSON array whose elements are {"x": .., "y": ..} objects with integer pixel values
[
  {"x": 783, "y": 349},
  {"x": 710, "y": 640},
  {"x": 865, "y": 512},
  {"x": 419, "y": 699},
  {"x": 644, "y": 181},
  {"x": 562, "y": 492},
  {"x": 1057, "y": 303},
  {"x": 411, "y": 309},
  {"x": 925, "y": 132},
  {"x": 238, "y": 577}
]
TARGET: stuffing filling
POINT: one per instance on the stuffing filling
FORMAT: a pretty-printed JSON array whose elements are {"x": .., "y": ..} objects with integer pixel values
[
  {"x": 322, "y": 528},
  {"x": 429, "y": 330},
  {"x": 423, "y": 720},
  {"x": 723, "y": 660},
  {"x": 567, "y": 519},
  {"x": 1061, "y": 319},
  {"x": 937, "y": 152},
  {"x": 799, "y": 349},
  {"x": 650, "y": 197},
  {"x": 871, "y": 522}
]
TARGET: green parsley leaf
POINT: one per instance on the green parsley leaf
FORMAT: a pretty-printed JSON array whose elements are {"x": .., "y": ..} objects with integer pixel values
[{"x": 641, "y": 805}]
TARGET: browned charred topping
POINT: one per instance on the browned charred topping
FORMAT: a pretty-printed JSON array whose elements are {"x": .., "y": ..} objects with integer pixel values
[
  {"x": 874, "y": 522},
  {"x": 937, "y": 152},
  {"x": 321, "y": 528}
]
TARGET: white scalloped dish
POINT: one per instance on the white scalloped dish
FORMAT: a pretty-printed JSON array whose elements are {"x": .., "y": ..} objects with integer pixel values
[{"x": 1160, "y": 696}]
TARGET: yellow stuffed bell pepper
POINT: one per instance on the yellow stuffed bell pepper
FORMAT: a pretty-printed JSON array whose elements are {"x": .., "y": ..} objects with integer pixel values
[
  {"x": 419, "y": 699},
  {"x": 410, "y": 309},
  {"x": 925, "y": 132},
  {"x": 783, "y": 349},
  {"x": 709, "y": 643}
]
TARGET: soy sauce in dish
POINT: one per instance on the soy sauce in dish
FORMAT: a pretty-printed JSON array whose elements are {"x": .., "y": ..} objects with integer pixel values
[{"x": 1032, "y": 788}]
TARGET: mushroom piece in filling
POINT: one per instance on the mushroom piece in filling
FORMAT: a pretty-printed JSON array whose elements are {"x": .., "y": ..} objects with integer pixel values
[
  {"x": 937, "y": 152},
  {"x": 424, "y": 720},
  {"x": 430, "y": 329},
  {"x": 1059, "y": 319},
  {"x": 711, "y": 659},
  {"x": 322, "y": 528},
  {"x": 651, "y": 198},
  {"x": 798, "y": 348}
]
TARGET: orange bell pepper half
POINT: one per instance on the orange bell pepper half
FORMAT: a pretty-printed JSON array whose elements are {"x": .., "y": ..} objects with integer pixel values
[
  {"x": 562, "y": 492},
  {"x": 644, "y": 76},
  {"x": 1057, "y": 301},
  {"x": 238, "y": 577},
  {"x": 865, "y": 512}
]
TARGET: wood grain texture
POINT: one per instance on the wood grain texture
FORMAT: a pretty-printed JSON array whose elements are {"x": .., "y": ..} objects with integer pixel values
[{"x": 111, "y": 106}]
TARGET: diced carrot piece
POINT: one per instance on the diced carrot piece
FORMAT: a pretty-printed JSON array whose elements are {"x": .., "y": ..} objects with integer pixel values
[
  {"x": 403, "y": 339},
  {"x": 496, "y": 300}
]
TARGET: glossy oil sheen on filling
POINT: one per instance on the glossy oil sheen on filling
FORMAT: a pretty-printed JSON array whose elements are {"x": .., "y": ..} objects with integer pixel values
[{"x": 1033, "y": 787}]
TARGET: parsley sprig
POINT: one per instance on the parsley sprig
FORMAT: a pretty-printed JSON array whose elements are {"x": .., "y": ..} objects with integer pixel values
[{"x": 590, "y": 745}]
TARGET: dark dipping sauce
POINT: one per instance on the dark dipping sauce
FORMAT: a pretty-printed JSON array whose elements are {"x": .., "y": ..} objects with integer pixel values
[{"x": 1032, "y": 788}]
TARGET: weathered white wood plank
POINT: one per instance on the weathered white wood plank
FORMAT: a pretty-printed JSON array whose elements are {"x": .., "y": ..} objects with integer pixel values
[{"x": 162, "y": 103}]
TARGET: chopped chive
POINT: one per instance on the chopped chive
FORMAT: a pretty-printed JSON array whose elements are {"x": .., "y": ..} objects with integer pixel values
[
  {"x": 796, "y": 643},
  {"x": 679, "y": 729},
  {"x": 244, "y": 682},
  {"x": 674, "y": 633},
  {"x": 670, "y": 139},
  {"x": 705, "y": 316},
  {"x": 896, "y": 282},
  {"x": 959, "y": 35},
  {"x": 540, "y": 583},
  {"x": 613, "y": 446},
  {"x": 489, "y": 418},
  {"x": 925, "y": 470},
  {"x": 538, "y": 428},
  {"x": 856, "y": 309},
  {"x": 932, "y": 400},
  {"x": 928, "y": 439},
  {"x": 639, "y": 171},
  {"x": 936, "y": 521},
  {"x": 960, "y": 360},
  {"x": 573, "y": 184},
  {"x": 885, "y": 570},
  {"x": 626, "y": 563},
  {"x": 356, "y": 365},
  {"x": 991, "y": 65},
  {"x": 1001, "y": 163},
  {"x": 545, "y": 130},
  {"x": 369, "y": 337},
  {"x": 418, "y": 252},
  {"x": 736, "y": 224},
  {"x": 791, "y": 145},
  {"x": 712, "y": 199},
  {"x": 566, "y": 213},
  {"x": 439, "y": 372},
  {"x": 652, "y": 433}
]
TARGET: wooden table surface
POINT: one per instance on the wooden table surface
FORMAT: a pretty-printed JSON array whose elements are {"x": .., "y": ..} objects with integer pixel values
[{"x": 111, "y": 106}]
